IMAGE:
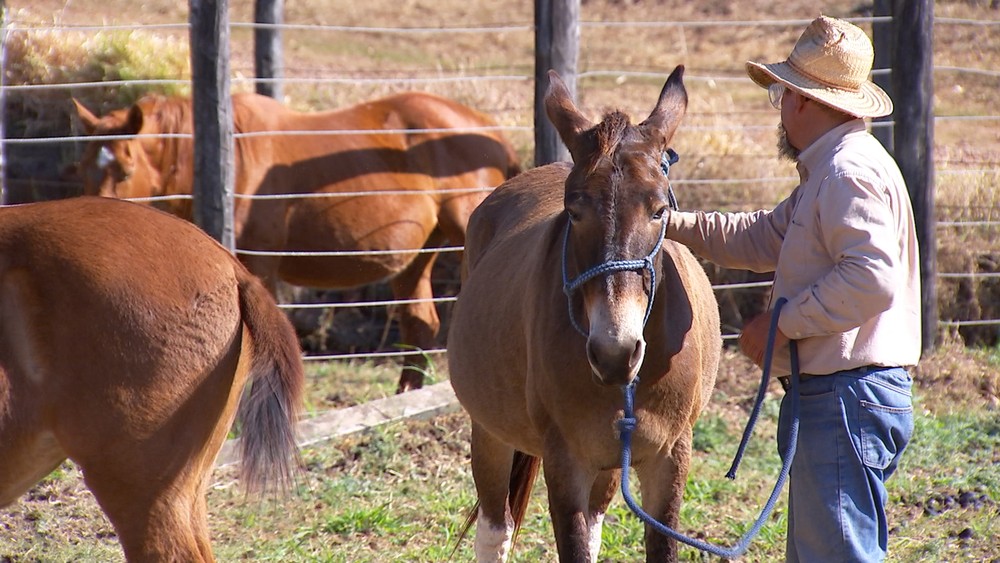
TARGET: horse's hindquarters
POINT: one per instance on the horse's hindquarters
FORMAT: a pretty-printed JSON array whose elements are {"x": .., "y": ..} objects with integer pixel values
[{"x": 131, "y": 362}]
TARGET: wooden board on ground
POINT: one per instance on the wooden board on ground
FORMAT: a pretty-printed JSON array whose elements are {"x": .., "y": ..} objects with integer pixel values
[{"x": 421, "y": 403}]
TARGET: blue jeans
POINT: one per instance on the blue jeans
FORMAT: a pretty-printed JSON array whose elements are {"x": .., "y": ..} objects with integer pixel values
[{"x": 854, "y": 426}]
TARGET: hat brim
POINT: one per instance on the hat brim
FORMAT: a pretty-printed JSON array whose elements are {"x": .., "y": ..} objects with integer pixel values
[{"x": 868, "y": 101}]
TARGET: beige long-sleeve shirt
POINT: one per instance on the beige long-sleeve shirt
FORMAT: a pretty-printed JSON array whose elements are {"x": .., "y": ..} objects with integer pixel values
[{"x": 843, "y": 250}]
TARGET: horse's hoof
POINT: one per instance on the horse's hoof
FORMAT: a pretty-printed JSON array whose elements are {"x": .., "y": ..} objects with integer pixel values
[{"x": 409, "y": 383}]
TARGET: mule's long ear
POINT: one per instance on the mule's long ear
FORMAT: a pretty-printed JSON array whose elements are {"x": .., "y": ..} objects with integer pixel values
[
  {"x": 562, "y": 112},
  {"x": 88, "y": 119},
  {"x": 670, "y": 108}
]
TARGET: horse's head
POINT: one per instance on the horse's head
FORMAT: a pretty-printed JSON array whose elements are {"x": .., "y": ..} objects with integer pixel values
[
  {"x": 616, "y": 197},
  {"x": 120, "y": 167}
]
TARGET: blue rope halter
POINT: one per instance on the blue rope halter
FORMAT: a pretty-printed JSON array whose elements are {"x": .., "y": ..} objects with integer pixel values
[
  {"x": 628, "y": 422},
  {"x": 612, "y": 266},
  {"x": 668, "y": 158}
]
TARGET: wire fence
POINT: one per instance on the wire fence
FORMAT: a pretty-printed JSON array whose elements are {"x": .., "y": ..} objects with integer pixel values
[{"x": 600, "y": 79}]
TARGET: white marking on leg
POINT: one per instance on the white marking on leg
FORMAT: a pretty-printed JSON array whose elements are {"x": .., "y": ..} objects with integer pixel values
[
  {"x": 493, "y": 541},
  {"x": 595, "y": 525}
]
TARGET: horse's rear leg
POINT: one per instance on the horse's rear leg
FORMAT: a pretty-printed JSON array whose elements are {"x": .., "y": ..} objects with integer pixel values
[
  {"x": 662, "y": 485},
  {"x": 156, "y": 518},
  {"x": 27, "y": 459},
  {"x": 152, "y": 487},
  {"x": 418, "y": 322},
  {"x": 491, "y": 470}
]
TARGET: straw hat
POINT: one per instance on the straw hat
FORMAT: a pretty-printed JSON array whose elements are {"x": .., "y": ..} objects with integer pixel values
[{"x": 830, "y": 63}]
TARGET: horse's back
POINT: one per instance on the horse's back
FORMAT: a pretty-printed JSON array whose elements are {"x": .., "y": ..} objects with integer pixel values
[{"x": 119, "y": 252}]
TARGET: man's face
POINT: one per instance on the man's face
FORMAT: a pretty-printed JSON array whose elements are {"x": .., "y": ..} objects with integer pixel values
[{"x": 785, "y": 148}]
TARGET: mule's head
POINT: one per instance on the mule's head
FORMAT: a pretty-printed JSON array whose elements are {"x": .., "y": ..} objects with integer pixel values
[
  {"x": 120, "y": 167},
  {"x": 616, "y": 198}
]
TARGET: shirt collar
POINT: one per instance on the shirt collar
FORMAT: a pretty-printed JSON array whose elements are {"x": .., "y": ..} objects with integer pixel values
[{"x": 818, "y": 153}]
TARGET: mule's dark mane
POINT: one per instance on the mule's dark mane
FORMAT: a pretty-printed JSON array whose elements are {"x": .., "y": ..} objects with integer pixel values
[{"x": 611, "y": 131}]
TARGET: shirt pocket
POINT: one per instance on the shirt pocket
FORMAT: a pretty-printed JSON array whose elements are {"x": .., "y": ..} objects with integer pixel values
[{"x": 804, "y": 258}]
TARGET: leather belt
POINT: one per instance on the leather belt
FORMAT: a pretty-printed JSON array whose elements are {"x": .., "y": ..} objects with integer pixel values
[{"x": 786, "y": 380}]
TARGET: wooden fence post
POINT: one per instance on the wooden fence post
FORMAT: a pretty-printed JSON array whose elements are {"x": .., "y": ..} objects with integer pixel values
[
  {"x": 913, "y": 84},
  {"x": 214, "y": 177},
  {"x": 557, "y": 45},
  {"x": 268, "y": 53}
]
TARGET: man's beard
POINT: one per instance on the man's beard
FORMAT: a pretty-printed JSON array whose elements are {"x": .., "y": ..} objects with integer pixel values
[{"x": 785, "y": 149}]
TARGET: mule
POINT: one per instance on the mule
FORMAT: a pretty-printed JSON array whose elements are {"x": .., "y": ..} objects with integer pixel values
[
  {"x": 128, "y": 337},
  {"x": 404, "y": 145},
  {"x": 540, "y": 373}
]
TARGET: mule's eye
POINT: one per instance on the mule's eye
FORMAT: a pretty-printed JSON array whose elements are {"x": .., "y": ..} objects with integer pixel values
[
  {"x": 574, "y": 203},
  {"x": 660, "y": 213}
]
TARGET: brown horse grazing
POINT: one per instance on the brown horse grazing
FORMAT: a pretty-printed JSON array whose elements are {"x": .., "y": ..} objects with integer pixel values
[
  {"x": 127, "y": 336},
  {"x": 416, "y": 166},
  {"x": 540, "y": 379}
]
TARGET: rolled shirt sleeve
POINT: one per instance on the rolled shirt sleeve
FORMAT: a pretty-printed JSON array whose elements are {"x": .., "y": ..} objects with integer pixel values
[{"x": 745, "y": 241}]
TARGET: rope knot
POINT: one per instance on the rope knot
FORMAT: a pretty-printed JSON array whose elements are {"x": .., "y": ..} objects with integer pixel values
[{"x": 626, "y": 425}]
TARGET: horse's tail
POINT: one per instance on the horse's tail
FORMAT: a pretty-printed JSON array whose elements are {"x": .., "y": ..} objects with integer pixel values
[
  {"x": 524, "y": 471},
  {"x": 269, "y": 412}
]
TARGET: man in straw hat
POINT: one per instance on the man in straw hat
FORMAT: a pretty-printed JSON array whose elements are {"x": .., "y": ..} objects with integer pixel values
[{"x": 843, "y": 251}]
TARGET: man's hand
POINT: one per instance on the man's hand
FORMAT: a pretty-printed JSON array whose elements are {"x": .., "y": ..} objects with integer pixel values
[{"x": 753, "y": 339}]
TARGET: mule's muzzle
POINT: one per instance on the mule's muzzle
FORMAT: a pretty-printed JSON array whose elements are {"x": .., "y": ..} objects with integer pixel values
[{"x": 615, "y": 362}]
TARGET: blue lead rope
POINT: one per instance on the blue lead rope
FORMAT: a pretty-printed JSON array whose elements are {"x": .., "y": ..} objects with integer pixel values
[{"x": 627, "y": 425}]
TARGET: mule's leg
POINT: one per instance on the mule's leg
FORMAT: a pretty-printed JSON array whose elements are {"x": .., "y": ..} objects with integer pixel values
[
  {"x": 662, "y": 484},
  {"x": 569, "y": 491},
  {"x": 418, "y": 322},
  {"x": 601, "y": 493},
  {"x": 491, "y": 469}
]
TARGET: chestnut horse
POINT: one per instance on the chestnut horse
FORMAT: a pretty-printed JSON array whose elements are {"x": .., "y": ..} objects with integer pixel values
[
  {"x": 540, "y": 379},
  {"x": 400, "y": 145},
  {"x": 128, "y": 336}
]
